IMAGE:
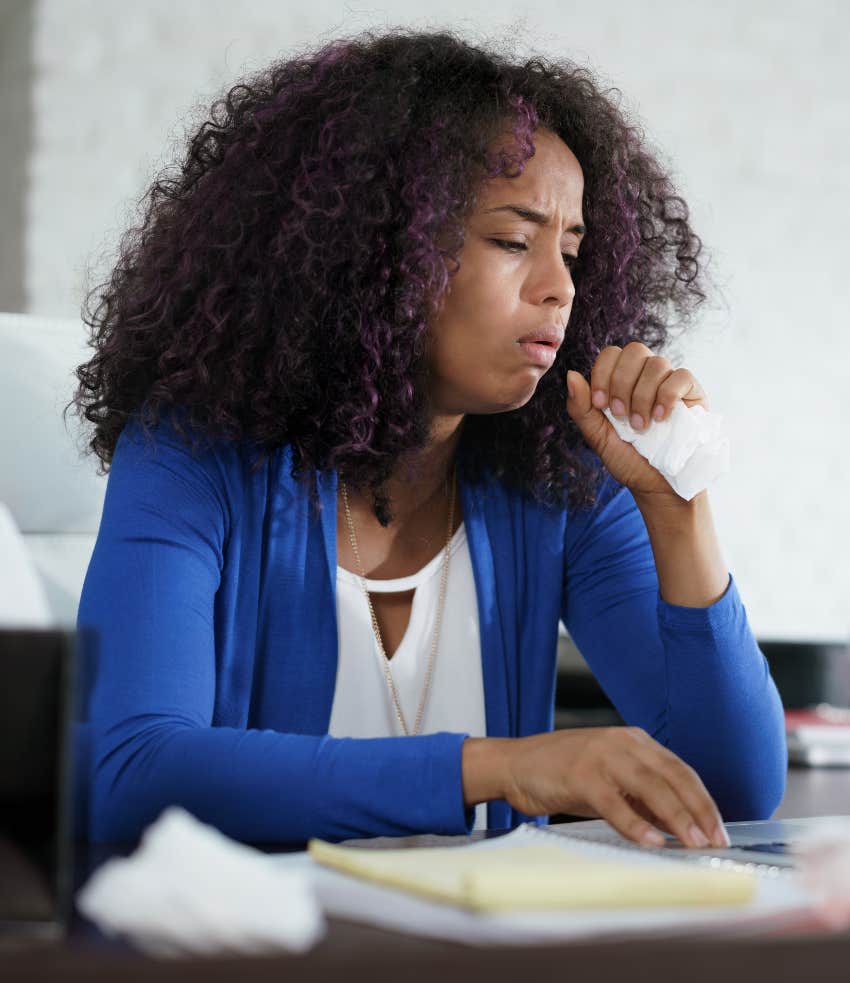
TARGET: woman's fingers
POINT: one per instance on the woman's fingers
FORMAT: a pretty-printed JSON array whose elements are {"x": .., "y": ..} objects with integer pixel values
[
  {"x": 680, "y": 384},
  {"x": 647, "y": 394},
  {"x": 664, "y": 801},
  {"x": 619, "y": 773},
  {"x": 695, "y": 796},
  {"x": 640, "y": 386},
  {"x": 630, "y": 366},
  {"x": 671, "y": 790},
  {"x": 600, "y": 376},
  {"x": 614, "y": 375},
  {"x": 641, "y": 809},
  {"x": 616, "y": 809}
]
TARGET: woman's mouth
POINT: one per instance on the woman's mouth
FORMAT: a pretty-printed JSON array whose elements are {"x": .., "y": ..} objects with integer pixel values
[
  {"x": 541, "y": 345},
  {"x": 539, "y": 352}
]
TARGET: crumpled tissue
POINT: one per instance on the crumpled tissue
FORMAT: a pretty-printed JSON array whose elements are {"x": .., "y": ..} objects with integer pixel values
[
  {"x": 689, "y": 447},
  {"x": 823, "y": 861},
  {"x": 190, "y": 890}
]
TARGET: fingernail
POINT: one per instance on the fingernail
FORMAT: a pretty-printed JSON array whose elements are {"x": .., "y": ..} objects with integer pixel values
[
  {"x": 658, "y": 412},
  {"x": 697, "y": 837},
  {"x": 637, "y": 421},
  {"x": 599, "y": 399},
  {"x": 618, "y": 407},
  {"x": 720, "y": 836},
  {"x": 652, "y": 838}
]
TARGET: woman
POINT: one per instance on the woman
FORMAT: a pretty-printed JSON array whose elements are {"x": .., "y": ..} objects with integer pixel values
[{"x": 349, "y": 378}]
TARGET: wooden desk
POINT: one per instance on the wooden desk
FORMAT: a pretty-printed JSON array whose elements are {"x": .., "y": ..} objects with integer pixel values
[{"x": 359, "y": 953}]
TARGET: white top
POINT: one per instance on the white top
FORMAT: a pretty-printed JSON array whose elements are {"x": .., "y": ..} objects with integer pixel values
[{"x": 363, "y": 705}]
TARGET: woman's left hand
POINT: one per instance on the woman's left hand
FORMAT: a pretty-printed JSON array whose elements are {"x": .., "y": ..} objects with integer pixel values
[{"x": 634, "y": 383}]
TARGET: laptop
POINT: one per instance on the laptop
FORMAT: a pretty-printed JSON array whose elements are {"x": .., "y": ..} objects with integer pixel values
[
  {"x": 765, "y": 845},
  {"x": 37, "y": 711}
]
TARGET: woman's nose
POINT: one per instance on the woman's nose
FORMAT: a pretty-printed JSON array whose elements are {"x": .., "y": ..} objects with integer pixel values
[{"x": 558, "y": 281}]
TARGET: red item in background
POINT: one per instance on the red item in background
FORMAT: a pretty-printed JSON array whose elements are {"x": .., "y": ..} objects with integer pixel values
[{"x": 819, "y": 736}]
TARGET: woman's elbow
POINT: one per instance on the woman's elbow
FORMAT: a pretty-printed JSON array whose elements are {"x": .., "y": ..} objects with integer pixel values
[
  {"x": 118, "y": 811},
  {"x": 755, "y": 790},
  {"x": 126, "y": 791}
]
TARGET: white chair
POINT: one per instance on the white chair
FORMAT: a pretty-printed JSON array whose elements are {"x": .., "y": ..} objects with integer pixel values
[{"x": 51, "y": 489}]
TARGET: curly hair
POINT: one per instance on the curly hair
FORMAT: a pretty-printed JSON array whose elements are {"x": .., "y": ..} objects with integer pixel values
[{"x": 280, "y": 286}]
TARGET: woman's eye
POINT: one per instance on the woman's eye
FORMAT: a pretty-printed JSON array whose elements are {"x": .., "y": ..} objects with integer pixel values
[
  {"x": 569, "y": 259},
  {"x": 507, "y": 244}
]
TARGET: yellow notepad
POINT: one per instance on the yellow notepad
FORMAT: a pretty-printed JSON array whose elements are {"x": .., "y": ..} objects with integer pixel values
[{"x": 538, "y": 874}]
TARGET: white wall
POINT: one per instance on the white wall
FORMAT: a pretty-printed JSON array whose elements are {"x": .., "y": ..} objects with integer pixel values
[{"x": 748, "y": 102}]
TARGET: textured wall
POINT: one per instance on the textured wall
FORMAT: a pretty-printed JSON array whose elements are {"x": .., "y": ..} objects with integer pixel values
[{"x": 747, "y": 101}]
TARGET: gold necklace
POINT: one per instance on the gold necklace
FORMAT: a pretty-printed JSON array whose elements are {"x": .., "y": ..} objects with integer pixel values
[{"x": 386, "y": 662}]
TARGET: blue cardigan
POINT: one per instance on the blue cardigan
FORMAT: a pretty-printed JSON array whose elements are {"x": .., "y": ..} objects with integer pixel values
[{"x": 212, "y": 588}]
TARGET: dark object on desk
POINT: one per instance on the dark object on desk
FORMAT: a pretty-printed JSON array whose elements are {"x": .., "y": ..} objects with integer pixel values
[
  {"x": 807, "y": 673},
  {"x": 37, "y": 671}
]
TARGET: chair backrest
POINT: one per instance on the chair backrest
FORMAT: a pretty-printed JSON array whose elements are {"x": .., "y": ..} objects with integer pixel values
[{"x": 50, "y": 487}]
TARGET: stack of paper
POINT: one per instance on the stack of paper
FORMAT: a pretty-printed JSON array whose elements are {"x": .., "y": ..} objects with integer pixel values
[
  {"x": 538, "y": 875},
  {"x": 536, "y": 885}
]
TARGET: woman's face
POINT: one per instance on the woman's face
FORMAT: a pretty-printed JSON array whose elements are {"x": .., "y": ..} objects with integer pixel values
[{"x": 514, "y": 281}]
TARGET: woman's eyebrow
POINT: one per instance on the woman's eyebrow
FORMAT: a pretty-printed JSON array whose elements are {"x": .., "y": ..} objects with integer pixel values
[{"x": 531, "y": 215}]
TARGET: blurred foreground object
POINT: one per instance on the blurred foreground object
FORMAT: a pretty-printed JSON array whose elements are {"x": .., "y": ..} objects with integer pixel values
[
  {"x": 824, "y": 864},
  {"x": 37, "y": 675},
  {"x": 190, "y": 890}
]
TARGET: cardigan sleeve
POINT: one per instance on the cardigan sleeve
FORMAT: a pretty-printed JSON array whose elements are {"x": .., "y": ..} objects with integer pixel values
[
  {"x": 693, "y": 678},
  {"x": 149, "y": 593}
]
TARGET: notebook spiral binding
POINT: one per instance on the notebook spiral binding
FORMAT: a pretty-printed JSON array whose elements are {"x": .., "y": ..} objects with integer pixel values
[{"x": 618, "y": 849}]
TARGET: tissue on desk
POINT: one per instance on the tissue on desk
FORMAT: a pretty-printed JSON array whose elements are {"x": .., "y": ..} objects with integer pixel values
[
  {"x": 689, "y": 447},
  {"x": 188, "y": 889}
]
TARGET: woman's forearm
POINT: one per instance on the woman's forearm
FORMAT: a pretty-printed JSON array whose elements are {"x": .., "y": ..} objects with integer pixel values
[
  {"x": 691, "y": 569},
  {"x": 262, "y": 785}
]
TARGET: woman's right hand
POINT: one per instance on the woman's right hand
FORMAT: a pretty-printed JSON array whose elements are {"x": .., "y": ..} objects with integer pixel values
[{"x": 620, "y": 774}]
